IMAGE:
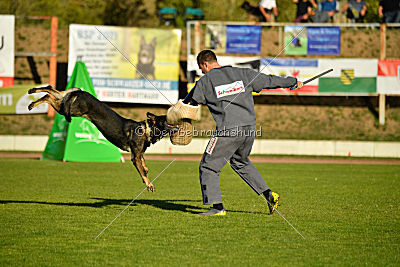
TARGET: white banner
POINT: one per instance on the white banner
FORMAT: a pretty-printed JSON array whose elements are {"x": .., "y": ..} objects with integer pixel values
[
  {"x": 133, "y": 65},
  {"x": 362, "y": 67},
  {"x": 7, "y": 23},
  {"x": 388, "y": 85}
]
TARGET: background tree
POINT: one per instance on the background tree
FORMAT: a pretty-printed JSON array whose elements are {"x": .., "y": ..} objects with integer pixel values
[
  {"x": 143, "y": 13},
  {"x": 130, "y": 13}
]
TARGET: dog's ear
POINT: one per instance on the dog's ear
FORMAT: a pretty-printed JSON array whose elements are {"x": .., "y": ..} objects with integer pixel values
[
  {"x": 154, "y": 42},
  {"x": 151, "y": 116},
  {"x": 142, "y": 41}
]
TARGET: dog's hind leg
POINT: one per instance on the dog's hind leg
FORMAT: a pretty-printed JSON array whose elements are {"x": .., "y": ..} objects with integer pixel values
[
  {"x": 46, "y": 99},
  {"x": 50, "y": 90},
  {"x": 47, "y": 89}
]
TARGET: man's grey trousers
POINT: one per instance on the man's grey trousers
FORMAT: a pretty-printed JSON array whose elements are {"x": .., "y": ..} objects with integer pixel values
[{"x": 234, "y": 148}]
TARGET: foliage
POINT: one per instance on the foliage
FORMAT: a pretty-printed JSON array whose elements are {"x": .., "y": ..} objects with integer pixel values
[
  {"x": 144, "y": 12},
  {"x": 67, "y": 11},
  {"x": 130, "y": 13}
]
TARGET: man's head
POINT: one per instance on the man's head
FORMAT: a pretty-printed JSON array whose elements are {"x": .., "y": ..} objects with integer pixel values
[{"x": 207, "y": 60}]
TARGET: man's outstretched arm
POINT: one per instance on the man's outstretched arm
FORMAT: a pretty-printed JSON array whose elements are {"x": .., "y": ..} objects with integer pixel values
[{"x": 260, "y": 81}]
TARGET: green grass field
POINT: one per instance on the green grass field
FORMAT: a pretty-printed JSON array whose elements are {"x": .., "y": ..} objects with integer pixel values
[{"x": 51, "y": 212}]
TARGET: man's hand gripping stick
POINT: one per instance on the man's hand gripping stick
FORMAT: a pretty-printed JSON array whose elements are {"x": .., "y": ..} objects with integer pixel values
[{"x": 309, "y": 80}]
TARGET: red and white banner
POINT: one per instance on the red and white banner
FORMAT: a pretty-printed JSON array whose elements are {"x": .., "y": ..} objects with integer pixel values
[
  {"x": 388, "y": 81},
  {"x": 7, "y": 23}
]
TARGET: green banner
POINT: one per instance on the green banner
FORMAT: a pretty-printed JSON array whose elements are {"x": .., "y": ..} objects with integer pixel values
[
  {"x": 352, "y": 85},
  {"x": 15, "y": 100},
  {"x": 83, "y": 142}
]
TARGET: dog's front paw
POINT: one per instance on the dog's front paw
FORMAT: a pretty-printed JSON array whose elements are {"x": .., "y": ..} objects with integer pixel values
[{"x": 150, "y": 187}]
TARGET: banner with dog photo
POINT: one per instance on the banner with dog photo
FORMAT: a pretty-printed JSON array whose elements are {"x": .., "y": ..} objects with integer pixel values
[{"x": 135, "y": 65}]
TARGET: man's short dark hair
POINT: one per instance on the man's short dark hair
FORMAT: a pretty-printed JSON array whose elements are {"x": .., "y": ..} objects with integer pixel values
[{"x": 206, "y": 56}]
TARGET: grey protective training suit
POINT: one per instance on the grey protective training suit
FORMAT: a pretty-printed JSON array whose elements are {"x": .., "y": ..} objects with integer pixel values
[{"x": 227, "y": 92}]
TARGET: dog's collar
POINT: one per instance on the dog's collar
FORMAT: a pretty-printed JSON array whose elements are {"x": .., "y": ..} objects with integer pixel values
[{"x": 147, "y": 131}]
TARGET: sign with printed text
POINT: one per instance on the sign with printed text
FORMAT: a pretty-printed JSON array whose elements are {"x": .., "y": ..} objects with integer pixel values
[
  {"x": 7, "y": 23},
  {"x": 15, "y": 100},
  {"x": 323, "y": 41},
  {"x": 133, "y": 65},
  {"x": 243, "y": 39}
]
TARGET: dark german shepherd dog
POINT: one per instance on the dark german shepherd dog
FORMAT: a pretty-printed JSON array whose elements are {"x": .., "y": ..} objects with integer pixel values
[
  {"x": 146, "y": 57},
  {"x": 128, "y": 135}
]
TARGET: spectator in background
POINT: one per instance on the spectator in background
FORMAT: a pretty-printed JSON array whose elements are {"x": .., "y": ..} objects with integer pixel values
[
  {"x": 326, "y": 10},
  {"x": 304, "y": 10},
  {"x": 355, "y": 10},
  {"x": 267, "y": 8},
  {"x": 389, "y": 10}
]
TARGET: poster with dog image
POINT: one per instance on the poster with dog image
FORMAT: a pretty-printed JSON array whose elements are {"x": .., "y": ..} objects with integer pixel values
[{"x": 134, "y": 65}]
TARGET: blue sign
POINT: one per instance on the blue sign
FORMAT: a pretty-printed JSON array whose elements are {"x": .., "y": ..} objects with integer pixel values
[
  {"x": 289, "y": 62},
  {"x": 323, "y": 41},
  {"x": 243, "y": 39}
]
